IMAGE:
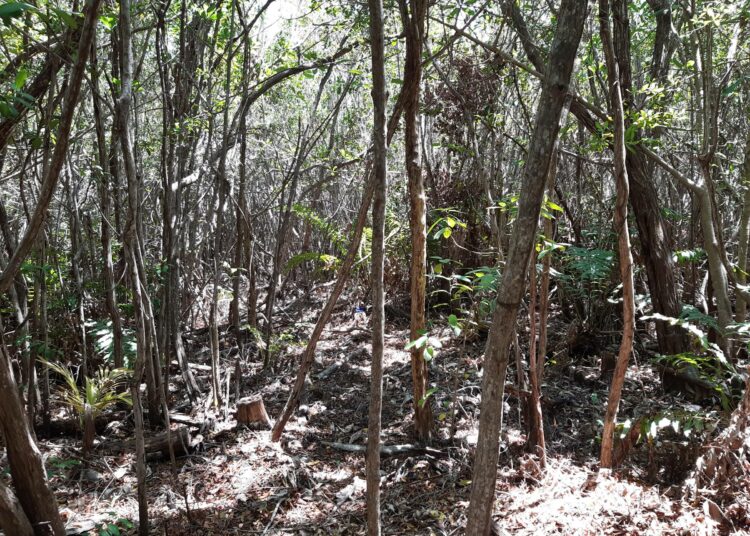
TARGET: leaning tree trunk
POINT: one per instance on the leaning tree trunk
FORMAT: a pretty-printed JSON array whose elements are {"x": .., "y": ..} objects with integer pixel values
[
  {"x": 13, "y": 520},
  {"x": 379, "y": 98},
  {"x": 413, "y": 13},
  {"x": 571, "y": 17},
  {"x": 24, "y": 458},
  {"x": 623, "y": 239}
]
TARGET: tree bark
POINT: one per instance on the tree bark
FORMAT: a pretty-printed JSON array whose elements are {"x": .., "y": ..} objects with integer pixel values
[
  {"x": 536, "y": 422},
  {"x": 413, "y": 13},
  {"x": 105, "y": 201},
  {"x": 13, "y": 520},
  {"x": 623, "y": 238},
  {"x": 655, "y": 247},
  {"x": 571, "y": 17},
  {"x": 24, "y": 458},
  {"x": 378, "y": 253},
  {"x": 743, "y": 236}
]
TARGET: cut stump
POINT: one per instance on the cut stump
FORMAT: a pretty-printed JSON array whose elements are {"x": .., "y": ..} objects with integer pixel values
[{"x": 252, "y": 413}]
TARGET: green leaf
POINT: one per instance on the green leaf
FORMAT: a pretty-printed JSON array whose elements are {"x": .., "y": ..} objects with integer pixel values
[
  {"x": 417, "y": 343},
  {"x": 6, "y": 110},
  {"x": 108, "y": 21},
  {"x": 67, "y": 18},
  {"x": 14, "y": 9},
  {"x": 454, "y": 324},
  {"x": 427, "y": 395},
  {"x": 21, "y": 77}
]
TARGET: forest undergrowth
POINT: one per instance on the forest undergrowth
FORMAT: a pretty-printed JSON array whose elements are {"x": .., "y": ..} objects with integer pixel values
[{"x": 235, "y": 480}]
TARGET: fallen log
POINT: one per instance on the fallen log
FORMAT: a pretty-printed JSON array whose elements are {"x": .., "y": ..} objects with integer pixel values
[
  {"x": 178, "y": 438},
  {"x": 388, "y": 450}
]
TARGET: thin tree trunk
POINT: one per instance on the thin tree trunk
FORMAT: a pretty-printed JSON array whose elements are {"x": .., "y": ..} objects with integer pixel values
[
  {"x": 413, "y": 13},
  {"x": 342, "y": 277},
  {"x": 131, "y": 247},
  {"x": 106, "y": 208},
  {"x": 571, "y": 17},
  {"x": 743, "y": 236},
  {"x": 222, "y": 187},
  {"x": 24, "y": 457},
  {"x": 621, "y": 227},
  {"x": 378, "y": 253},
  {"x": 536, "y": 425}
]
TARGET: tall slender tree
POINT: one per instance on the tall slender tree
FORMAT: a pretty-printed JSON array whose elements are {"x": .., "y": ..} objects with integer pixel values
[
  {"x": 623, "y": 236},
  {"x": 413, "y": 14},
  {"x": 571, "y": 16},
  {"x": 377, "y": 47}
]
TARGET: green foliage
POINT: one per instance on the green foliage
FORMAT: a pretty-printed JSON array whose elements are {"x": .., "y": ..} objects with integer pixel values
[
  {"x": 687, "y": 256},
  {"x": 694, "y": 322},
  {"x": 684, "y": 423},
  {"x": 11, "y": 10},
  {"x": 57, "y": 465},
  {"x": 444, "y": 225},
  {"x": 322, "y": 224},
  {"x": 101, "y": 332},
  {"x": 98, "y": 393},
  {"x": 427, "y": 342},
  {"x": 588, "y": 266},
  {"x": 115, "y": 526},
  {"x": 708, "y": 361},
  {"x": 324, "y": 261}
]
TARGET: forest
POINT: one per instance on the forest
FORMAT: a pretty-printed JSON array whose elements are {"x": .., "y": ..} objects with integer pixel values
[{"x": 404, "y": 267}]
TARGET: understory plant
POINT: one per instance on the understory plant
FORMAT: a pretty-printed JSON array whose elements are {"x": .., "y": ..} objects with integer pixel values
[{"x": 104, "y": 390}]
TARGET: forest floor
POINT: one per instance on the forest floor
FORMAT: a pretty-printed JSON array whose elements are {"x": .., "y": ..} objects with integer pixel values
[{"x": 239, "y": 482}]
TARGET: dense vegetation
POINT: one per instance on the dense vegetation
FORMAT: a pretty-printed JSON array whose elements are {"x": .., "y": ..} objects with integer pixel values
[{"x": 496, "y": 252}]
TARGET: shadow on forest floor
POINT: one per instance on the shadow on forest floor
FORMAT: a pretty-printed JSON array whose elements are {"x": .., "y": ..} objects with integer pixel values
[{"x": 239, "y": 482}]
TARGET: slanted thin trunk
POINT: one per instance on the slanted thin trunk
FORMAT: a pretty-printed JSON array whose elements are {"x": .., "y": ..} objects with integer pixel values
[
  {"x": 13, "y": 520},
  {"x": 24, "y": 457},
  {"x": 623, "y": 239},
  {"x": 571, "y": 17},
  {"x": 378, "y": 253}
]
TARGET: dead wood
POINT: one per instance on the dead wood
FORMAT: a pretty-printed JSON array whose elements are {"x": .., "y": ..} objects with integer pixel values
[
  {"x": 251, "y": 411},
  {"x": 389, "y": 450},
  {"x": 179, "y": 438}
]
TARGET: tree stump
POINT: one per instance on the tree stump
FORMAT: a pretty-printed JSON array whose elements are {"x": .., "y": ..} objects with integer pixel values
[{"x": 252, "y": 412}]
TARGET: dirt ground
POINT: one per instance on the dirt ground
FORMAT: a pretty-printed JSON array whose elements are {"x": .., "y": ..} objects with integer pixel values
[{"x": 239, "y": 482}]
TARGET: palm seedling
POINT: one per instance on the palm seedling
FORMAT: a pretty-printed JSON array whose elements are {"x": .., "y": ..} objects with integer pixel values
[{"x": 97, "y": 394}]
